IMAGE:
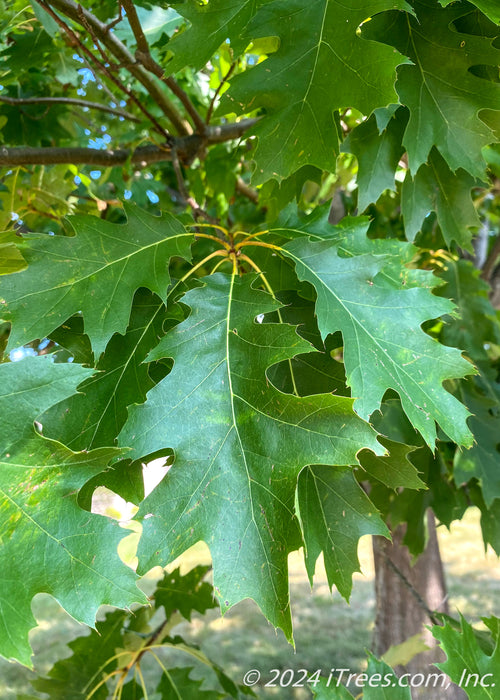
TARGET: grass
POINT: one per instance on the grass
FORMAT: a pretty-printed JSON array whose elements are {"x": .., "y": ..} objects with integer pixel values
[{"x": 328, "y": 632}]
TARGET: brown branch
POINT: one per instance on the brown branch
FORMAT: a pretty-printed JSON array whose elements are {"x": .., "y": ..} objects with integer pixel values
[
  {"x": 489, "y": 265},
  {"x": 217, "y": 92},
  {"x": 143, "y": 55},
  {"x": 190, "y": 108},
  {"x": 187, "y": 148},
  {"x": 89, "y": 156},
  {"x": 76, "y": 42},
  {"x": 109, "y": 39},
  {"x": 246, "y": 190},
  {"x": 135, "y": 25},
  {"x": 69, "y": 101}
]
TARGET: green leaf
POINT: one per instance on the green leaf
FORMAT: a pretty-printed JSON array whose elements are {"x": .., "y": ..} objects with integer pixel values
[
  {"x": 25, "y": 51},
  {"x": 77, "y": 676},
  {"x": 335, "y": 512},
  {"x": 185, "y": 593},
  {"x": 481, "y": 461},
  {"x": 97, "y": 272},
  {"x": 490, "y": 517},
  {"x": 178, "y": 684},
  {"x": 11, "y": 259},
  {"x": 378, "y": 155},
  {"x": 444, "y": 96},
  {"x": 94, "y": 417},
  {"x": 211, "y": 24},
  {"x": 154, "y": 21},
  {"x": 61, "y": 549},
  {"x": 350, "y": 299},
  {"x": 238, "y": 441},
  {"x": 436, "y": 188},
  {"x": 296, "y": 87},
  {"x": 466, "y": 657},
  {"x": 394, "y": 469},
  {"x": 476, "y": 322},
  {"x": 382, "y": 683},
  {"x": 378, "y": 683},
  {"x": 489, "y": 7},
  {"x": 350, "y": 236}
]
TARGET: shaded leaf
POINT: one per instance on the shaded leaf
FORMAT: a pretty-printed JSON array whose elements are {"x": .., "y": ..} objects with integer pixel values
[
  {"x": 75, "y": 677},
  {"x": 394, "y": 470},
  {"x": 185, "y": 593},
  {"x": 476, "y": 322},
  {"x": 351, "y": 300},
  {"x": 489, "y": 7},
  {"x": 378, "y": 155},
  {"x": 178, "y": 684},
  {"x": 94, "y": 417},
  {"x": 482, "y": 460},
  {"x": 436, "y": 188}
]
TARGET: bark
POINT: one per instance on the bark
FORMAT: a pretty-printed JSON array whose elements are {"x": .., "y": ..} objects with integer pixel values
[{"x": 406, "y": 597}]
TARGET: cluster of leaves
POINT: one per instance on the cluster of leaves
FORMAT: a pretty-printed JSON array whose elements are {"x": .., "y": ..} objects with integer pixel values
[{"x": 286, "y": 359}]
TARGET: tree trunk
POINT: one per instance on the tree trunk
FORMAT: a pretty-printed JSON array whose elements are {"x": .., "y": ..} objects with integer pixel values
[{"x": 405, "y": 595}]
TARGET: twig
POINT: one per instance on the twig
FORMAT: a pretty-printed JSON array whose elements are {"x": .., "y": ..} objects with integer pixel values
[
  {"x": 125, "y": 58},
  {"x": 246, "y": 190},
  {"x": 489, "y": 265},
  {"x": 74, "y": 38},
  {"x": 198, "y": 212},
  {"x": 69, "y": 101},
  {"x": 143, "y": 55},
  {"x": 217, "y": 92},
  {"x": 430, "y": 613},
  {"x": 190, "y": 108}
]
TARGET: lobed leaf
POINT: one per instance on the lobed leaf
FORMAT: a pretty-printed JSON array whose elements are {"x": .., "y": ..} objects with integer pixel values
[
  {"x": 444, "y": 96},
  {"x": 97, "y": 272},
  {"x": 321, "y": 65},
  {"x": 335, "y": 512},
  {"x": 436, "y": 188},
  {"x": 466, "y": 658},
  {"x": 239, "y": 444},
  {"x": 351, "y": 299}
]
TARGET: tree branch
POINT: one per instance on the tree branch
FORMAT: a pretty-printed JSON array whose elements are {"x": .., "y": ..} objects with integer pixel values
[
  {"x": 491, "y": 260},
  {"x": 187, "y": 148},
  {"x": 143, "y": 55},
  {"x": 69, "y": 101},
  {"x": 246, "y": 190},
  {"x": 77, "y": 43},
  {"x": 217, "y": 92},
  {"x": 109, "y": 39}
]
